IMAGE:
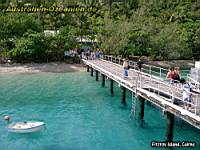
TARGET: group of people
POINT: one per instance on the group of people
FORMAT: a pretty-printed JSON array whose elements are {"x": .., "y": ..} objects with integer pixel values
[
  {"x": 91, "y": 55},
  {"x": 126, "y": 66},
  {"x": 173, "y": 76}
]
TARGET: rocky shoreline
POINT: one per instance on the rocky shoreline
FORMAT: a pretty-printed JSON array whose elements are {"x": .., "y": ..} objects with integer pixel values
[{"x": 174, "y": 63}]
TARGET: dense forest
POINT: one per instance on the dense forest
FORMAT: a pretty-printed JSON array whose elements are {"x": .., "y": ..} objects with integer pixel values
[{"x": 158, "y": 29}]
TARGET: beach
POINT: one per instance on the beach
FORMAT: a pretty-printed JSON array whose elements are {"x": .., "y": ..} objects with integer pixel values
[{"x": 52, "y": 67}]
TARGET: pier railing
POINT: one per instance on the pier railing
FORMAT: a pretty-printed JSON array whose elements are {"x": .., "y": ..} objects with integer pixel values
[
  {"x": 174, "y": 93},
  {"x": 154, "y": 71},
  {"x": 153, "y": 81},
  {"x": 195, "y": 84}
]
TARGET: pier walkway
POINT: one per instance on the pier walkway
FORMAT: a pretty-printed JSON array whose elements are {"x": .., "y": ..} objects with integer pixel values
[{"x": 149, "y": 86}]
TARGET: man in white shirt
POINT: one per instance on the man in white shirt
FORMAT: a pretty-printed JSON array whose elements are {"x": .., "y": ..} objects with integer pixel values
[{"x": 187, "y": 94}]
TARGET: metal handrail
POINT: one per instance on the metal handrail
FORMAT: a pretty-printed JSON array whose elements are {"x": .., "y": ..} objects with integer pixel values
[
  {"x": 172, "y": 94},
  {"x": 173, "y": 90},
  {"x": 161, "y": 73},
  {"x": 154, "y": 78},
  {"x": 192, "y": 80},
  {"x": 132, "y": 63},
  {"x": 195, "y": 84}
]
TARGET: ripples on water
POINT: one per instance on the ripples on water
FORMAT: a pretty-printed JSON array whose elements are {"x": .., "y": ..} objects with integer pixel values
[{"x": 79, "y": 114}]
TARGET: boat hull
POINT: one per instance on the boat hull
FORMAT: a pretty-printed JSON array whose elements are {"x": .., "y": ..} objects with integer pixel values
[{"x": 36, "y": 128}]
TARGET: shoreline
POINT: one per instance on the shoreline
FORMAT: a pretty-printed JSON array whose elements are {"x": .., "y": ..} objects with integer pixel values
[
  {"x": 175, "y": 63},
  {"x": 30, "y": 68},
  {"x": 62, "y": 67}
]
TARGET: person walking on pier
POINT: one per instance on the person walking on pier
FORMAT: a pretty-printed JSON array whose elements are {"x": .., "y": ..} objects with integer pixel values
[
  {"x": 139, "y": 64},
  {"x": 187, "y": 94},
  {"x": 125, "y": 66}
]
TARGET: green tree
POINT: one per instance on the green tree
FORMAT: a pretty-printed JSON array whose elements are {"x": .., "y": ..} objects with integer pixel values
[{"x": 16, "y": 24}]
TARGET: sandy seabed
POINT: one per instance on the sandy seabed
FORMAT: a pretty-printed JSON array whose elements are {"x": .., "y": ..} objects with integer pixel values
[{"x": 53, "y": 67}]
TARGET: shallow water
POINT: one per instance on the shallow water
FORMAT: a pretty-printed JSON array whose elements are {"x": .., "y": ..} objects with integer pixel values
[{"x": 79, "y": 114}]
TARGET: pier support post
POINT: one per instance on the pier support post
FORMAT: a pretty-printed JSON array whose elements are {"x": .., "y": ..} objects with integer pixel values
[
  {"x": 123, "y": 98},
  {"x": 111, "y": 87},
  {"x": 141, "y": 114},
  {"x": 170, "y": 127},
  {"x": 103, "y": 80},
  {"x": 92, "y": 70},
  {"x": 97, "y": 75},
  {"x": 88, "y": 68}
]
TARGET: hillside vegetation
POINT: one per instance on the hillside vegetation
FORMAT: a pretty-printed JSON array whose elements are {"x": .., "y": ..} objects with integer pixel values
[{"x": 158, "y": 29}]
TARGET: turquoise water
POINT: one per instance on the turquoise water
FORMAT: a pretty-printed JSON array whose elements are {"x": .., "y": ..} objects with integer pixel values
[{"x": 79, "y": 115}]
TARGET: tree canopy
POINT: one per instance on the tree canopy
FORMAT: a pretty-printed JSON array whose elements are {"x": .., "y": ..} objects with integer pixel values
[{"x": 160, "y": 30}]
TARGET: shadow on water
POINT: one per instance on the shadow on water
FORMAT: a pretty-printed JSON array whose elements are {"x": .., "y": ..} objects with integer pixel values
[
  {"x": 123, "y": 107},
  {"x": 36, "y": 135},
  {"x": 143, "y": 124}
]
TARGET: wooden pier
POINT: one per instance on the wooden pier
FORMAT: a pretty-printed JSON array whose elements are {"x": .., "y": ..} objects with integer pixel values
[{"x": 146, "y": 86}]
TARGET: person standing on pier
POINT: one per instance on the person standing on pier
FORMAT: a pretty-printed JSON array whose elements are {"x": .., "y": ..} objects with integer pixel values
[
  {"x": 176, "y": 76},
  {"x": 125, "y": 66},
  {"x": 187, "y": 94},
  {"x": 139, "y": 64},
  {"x": 170, "y": 75}
]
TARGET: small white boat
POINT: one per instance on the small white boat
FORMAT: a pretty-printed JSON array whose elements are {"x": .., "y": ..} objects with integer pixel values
[{"x": 26, "y": 127}]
